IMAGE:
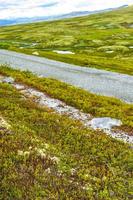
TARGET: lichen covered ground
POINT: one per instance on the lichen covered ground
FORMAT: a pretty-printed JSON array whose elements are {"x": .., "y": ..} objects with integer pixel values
[{"x": 46, "y": 155}]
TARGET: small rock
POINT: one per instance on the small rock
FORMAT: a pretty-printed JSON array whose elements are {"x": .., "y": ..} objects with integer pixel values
[
  {"x": 9, "y": 80},
  {"x": 19, "y": 86},
  {"x": 1, "y": 79},
  {"x": 35, "y": 53},
  {"x": 23, "y": 153},
  {"x": 55, "y": 159},
  {"x": 3, "y": 123}
]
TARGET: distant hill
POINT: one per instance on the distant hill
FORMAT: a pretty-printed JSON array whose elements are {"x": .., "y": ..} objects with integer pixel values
[{"x": 54, "y": 17}]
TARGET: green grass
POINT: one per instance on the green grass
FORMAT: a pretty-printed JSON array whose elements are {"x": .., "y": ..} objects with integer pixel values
[
  {"x": 90, "y": 164},
  {"x": 98, "y": 106},
  {"x": 92, "y": 39}
]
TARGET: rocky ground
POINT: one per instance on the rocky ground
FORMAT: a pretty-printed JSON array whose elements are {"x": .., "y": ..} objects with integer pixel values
[{"x": 105, "y": 124}]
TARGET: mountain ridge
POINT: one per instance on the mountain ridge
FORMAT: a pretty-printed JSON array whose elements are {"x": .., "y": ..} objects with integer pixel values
[{"x": 54, "y": 17}]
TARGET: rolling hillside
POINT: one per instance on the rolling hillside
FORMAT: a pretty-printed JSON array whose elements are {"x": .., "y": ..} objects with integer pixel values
[
  {"x": 102, "y": 40},
  {"x": 50, "y": 155},
  {"x": 59, "y": 141}
]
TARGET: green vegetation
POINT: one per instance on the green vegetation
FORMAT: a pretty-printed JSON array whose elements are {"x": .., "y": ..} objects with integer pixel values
[
  {"x": 48, "y": 156},
  {"x": 102, "y": 40},
  {"x": 96, "y": 105}
]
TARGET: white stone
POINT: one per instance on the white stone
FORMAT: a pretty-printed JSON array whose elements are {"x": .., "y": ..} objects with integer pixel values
[
  {"x": 3, "y": 123},
  {"x": 19, "y": 86},
  {"x": 8, "y": 80},
  {"x": 55, "y": 159}
]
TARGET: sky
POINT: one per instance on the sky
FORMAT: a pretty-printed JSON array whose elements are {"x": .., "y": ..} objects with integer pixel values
[{"x": 11, "y": 9}]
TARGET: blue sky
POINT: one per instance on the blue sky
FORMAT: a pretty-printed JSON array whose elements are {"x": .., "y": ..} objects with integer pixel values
[{"x": 10, "y": 9}]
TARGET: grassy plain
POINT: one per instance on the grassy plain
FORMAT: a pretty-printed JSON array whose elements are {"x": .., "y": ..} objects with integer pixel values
[
  {"x": 102, "y": 40},
  {"x": 48, "y": 156}
]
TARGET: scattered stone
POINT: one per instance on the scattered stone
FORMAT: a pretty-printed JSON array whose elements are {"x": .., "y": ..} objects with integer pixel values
[
  {"x": 48, "y": 170},
  {"x": 104, "y": 124},
  {"x": 9, "y": 80},
  {"x": 42, "y": 153},
  {"x": 130, "y": 26},
  {"x": 57, "y": 105},
  {"x": 19, "y": 86},
  {"x": 23, "y": 153},
  {"x": 55, "y": 159},
  {"x": 73, "y": 171},
  {"x": 3, "y": 123},
  {"x": 1, "y": 78}
]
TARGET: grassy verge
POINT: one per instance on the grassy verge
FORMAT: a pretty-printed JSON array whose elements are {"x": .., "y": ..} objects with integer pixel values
[
  {"x": 106, "y": 63},
  {"x": 48, "y": 156},
  {"x": 96, "y": 105}
]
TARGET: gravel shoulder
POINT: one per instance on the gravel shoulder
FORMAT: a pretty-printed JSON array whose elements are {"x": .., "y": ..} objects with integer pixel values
[{"x": 94, "y": 80}]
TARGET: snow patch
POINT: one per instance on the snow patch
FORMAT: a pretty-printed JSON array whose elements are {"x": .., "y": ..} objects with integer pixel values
[
  {"x": 63, "y": 52},
  {"x": 104, "y": 123}
]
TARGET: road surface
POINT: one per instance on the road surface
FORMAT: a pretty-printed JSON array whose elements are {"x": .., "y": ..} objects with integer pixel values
[{"x": 96, "y": 81}]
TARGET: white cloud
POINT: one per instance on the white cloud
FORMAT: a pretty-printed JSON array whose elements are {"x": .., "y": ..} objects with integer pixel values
[{"x": 36, "y": 8}]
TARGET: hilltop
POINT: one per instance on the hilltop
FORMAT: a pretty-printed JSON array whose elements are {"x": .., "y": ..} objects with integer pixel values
[{"x": 103, "y": 40}]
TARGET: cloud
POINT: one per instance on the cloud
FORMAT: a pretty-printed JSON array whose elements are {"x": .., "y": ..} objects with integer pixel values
[
  {"x": 49, "y": 5},
  {"x": 10, "y": 9}
]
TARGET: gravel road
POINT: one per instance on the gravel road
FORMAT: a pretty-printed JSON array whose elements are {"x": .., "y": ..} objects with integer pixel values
[{"x": 94, "y": 80}]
